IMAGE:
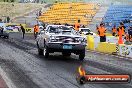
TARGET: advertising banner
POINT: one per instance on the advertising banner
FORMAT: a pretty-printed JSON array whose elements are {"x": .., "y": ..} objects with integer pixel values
[
  {"x": 13, "y": 27},
  {"x": 96, "y": 41},
  {"x": 111, "y": 39},
  {"x": 29, "y": 30},
  {"x": 125, "y": 50}
]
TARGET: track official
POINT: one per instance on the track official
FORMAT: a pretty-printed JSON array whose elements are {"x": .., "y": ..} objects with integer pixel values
[
  {"x": 102, "y": 31},
  {"x": 36, "y": 30},
  {"x": 77, "y": 25},
  {"x": 23, "y": 31}
]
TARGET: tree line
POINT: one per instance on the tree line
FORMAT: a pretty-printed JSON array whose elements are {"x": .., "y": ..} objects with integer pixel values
[{"x": 9, "y": 0}]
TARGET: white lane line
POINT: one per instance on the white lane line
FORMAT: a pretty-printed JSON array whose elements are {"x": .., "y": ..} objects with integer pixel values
[{"x": 8, "y": 82}]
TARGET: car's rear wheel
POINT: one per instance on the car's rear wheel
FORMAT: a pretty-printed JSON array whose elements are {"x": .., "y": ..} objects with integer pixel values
[
  {"x": 46, "y": 52},
  {"x": 66, "y": 54},
  {"x": 82, "y": 55}
]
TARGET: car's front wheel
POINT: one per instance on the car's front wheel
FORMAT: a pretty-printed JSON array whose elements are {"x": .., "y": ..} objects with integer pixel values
[
  {"x": 40, "y": 51},
  {"x": 82, "y": 55},
  {"x": 46, "y": 52}
]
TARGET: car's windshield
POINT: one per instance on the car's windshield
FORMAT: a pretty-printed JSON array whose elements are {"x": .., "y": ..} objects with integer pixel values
[{"x": 61, "y": 29}]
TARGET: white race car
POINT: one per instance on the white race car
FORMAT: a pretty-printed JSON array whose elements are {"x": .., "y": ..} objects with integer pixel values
[{"x": 86, "y": 31}]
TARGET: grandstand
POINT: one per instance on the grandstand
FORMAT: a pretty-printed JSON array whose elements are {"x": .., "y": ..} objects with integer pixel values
[
  {"x": 118, "y": 13},
  {"x": 70, "y": 13}
]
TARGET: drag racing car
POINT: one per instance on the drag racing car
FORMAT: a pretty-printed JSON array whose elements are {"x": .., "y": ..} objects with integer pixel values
[
  {"x": 86, "y": 31},
  {"x": 59, "y": 38}
]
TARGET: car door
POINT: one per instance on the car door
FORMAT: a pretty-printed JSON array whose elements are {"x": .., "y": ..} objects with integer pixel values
[{"x": 41, "y": 38}]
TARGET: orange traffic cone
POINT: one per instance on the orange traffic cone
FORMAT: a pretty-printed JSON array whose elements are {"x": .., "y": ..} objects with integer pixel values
[{"x": 120, "y": 40}]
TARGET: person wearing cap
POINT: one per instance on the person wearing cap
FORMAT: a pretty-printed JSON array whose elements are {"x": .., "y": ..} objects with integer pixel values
[
  {"x": 114, "y": 30},
  {"x": 77, "y": 25},
  {"x": 102, "y": 31}
]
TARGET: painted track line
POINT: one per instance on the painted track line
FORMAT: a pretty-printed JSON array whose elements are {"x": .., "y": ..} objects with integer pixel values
[{"x": 7, "y": 80}]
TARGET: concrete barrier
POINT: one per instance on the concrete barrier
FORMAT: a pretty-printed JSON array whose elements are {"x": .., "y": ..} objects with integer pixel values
[
  {"x": 110, "y": 46},
  {"x": 94, "y": 40},
  {"x": 90, "y": 42},
  {"x": 106, "y": 47}
]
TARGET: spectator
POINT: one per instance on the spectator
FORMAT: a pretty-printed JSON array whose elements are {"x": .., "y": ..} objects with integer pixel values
[
  {"x": 97, "y": 28},
  {"x": 8, "y": 19},
  {"x": 114, "y": 30},
  {"x": 23, "y": 30},
  {"x": 130, "y": 33},
  {"x": 40, "y": 13}
]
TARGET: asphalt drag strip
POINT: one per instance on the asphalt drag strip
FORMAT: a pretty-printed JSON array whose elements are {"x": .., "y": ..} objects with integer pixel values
[{"x": 58, "y": 71}]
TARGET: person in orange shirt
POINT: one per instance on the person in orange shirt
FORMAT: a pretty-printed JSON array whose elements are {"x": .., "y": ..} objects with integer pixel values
[
  {"x": 114, "y": 30},
  {"x": 36, "y": 30},
  {"x": 77, "y": 25},
  {"x": 102, "y": 31},
  {"x": 121, "y": 30}
]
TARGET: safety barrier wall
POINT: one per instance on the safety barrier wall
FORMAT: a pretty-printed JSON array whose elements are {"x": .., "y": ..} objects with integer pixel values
[
  {"x": 93, "y": 41},
  {"x": 110, "y": 46},
  {"x": 106, "y": 47}
]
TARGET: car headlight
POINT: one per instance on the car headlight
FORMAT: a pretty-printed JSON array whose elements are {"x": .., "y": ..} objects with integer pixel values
[
  {"x": 80, "y": 39},
  {"x": 53, "y": 39}
]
